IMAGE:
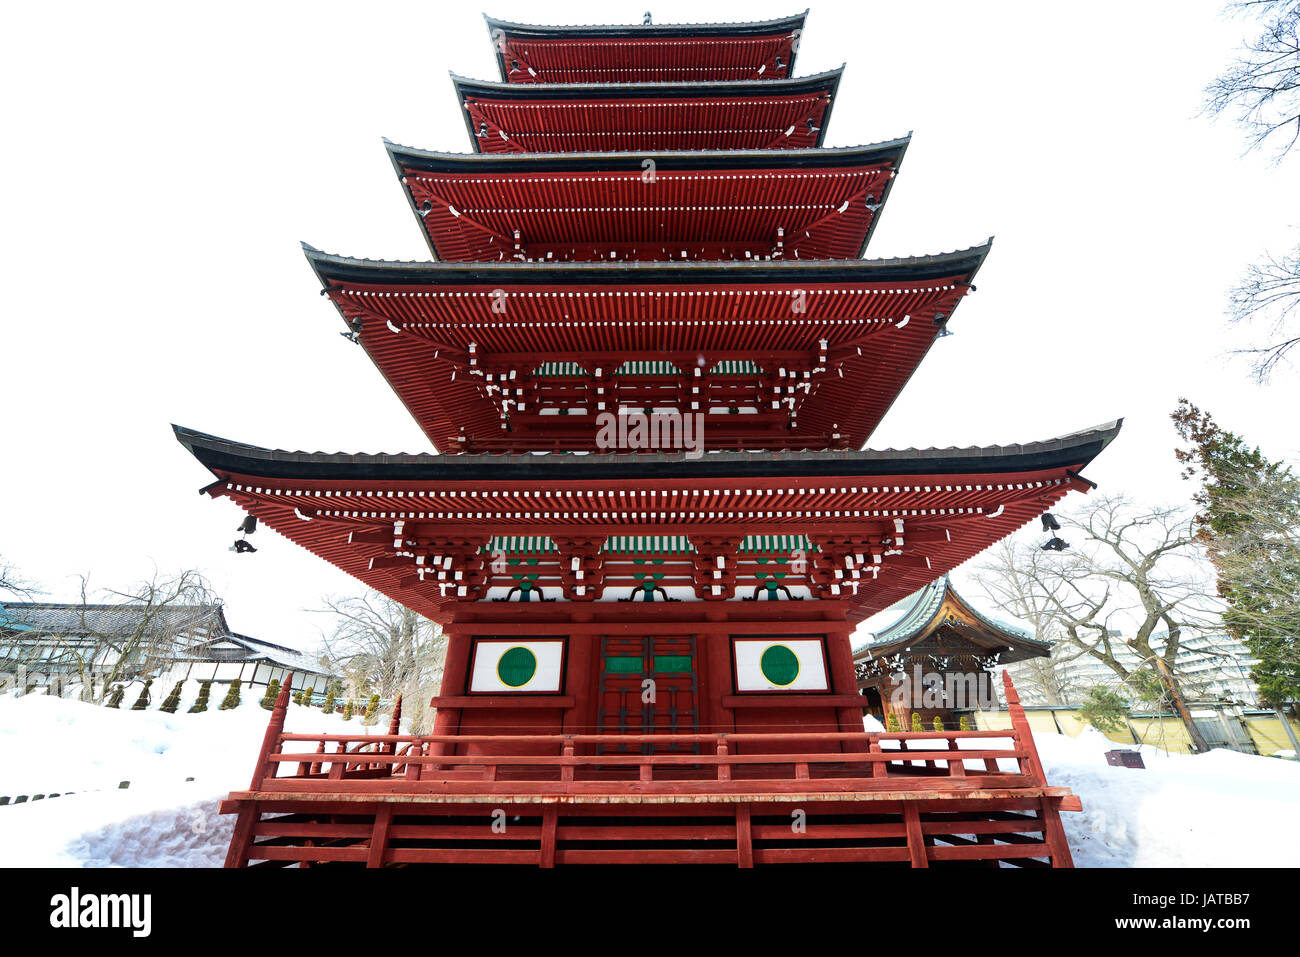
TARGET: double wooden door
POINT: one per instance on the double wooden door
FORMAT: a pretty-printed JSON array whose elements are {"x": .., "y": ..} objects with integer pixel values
[{"x": 648, "y": 685}]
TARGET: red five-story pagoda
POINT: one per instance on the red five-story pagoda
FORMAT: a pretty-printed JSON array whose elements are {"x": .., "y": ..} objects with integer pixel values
[{"x": 649, "y": 353}]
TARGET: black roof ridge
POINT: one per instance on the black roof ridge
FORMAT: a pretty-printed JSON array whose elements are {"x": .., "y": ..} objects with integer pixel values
[
  {"x": 103, "y": 606},
  {"x": 316, "y": 255},
  {"x": 595, "y": 156},
  {"x": 533, "y": 31},
  {"x": 753, "y": 26},
  {"x": 1066, "y": 448},
  {"x": 757, "y": 86}
]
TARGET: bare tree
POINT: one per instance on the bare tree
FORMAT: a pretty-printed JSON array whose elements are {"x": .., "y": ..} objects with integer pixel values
[
  {"x": 383, "y": 647},
  {"x": 1134, "y": 576},
  {"x": 12, "y": 581},
  {"x": 138, "y": 632},
  {"x": 1268, "y": 293},
  {"x": 1049, "y": 679},
  {"x": 1261, "y": 89}
]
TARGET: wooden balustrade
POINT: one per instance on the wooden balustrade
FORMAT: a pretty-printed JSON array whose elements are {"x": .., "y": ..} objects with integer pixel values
[{"x": 729, "y": 763}]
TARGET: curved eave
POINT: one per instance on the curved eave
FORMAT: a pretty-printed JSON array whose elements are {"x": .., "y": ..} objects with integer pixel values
[
  {"x": 827, "y": 83},
  {"x": 634, "y": 31},
  {"x": 532, "y": 31},
  {"x": 223, "y": 457},
  {"x": 887, "y": 154},
  {"x": 923, "y": 616},
  {"x": 874, "y": 154},
  {"x": 330, "y": 268},
  {"x": 1013, "y": 647}
]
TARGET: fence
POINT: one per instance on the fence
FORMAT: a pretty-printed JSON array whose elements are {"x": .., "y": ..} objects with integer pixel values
[{"x": 1250, "y": 732}]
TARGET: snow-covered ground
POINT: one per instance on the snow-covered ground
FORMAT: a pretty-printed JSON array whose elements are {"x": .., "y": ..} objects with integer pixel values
[
  {"x": 50, "y": 745},
  {"x": 1217, "y": 810}
]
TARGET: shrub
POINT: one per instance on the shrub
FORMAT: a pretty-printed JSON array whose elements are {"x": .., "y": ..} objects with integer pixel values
[
  {"x": 891, "y": 722},
  {"x": 347, "y": 710},
  {"x": 371, "y": 708},
  {"x": 231, "y": 700},
  {"x": 329, "y": 700},
  {"x": 142, "y": 702},
  {"x": 963, "y": 724},
  {"x": 1103, "y": 709},
  {"x": 173, "y": 700},
  {"x": 916, "y": 722},
  {"x": 201, "y": 703},
  {"x": 272, "y": 692},
  {"x": 938, "y": 723}
]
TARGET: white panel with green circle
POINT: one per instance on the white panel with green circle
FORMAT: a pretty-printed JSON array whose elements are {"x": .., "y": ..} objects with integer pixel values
[
  {"x": 780, "y": 664},
  {"x": 526, "y": 664}
]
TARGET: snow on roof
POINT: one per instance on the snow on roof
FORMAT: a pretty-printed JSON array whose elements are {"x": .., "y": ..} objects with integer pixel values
[{"x": 78, "y": 619}]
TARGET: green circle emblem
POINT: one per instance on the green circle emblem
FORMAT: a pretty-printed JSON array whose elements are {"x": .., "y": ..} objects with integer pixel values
[
  {"x": 517, "y": 666},
  {"x": 780, "y": 665}
]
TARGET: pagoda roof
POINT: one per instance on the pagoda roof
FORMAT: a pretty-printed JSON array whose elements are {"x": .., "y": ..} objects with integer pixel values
[
  {"x": 348, "y": 269},
  {"x": 680, "y": 51},
  {"x": 733, "y": 28},
  {"x": 223, "y": 456},
  {"x": 706, "y": 203},
  {"x": 877, "y": 525},
  {"x": 938, "y": 605},
  {"x": 439, "y": 331},
  {"x": 603, "y": 117}
]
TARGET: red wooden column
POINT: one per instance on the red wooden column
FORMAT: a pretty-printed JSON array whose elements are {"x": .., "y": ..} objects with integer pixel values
[
  {"x": 579, "y": 681},
  {"x": 1053, "y": 830},
  {"x": 844, "y": 680},
  {"x": 714, "y": 647},
  {"x": 455, "y": 673}
]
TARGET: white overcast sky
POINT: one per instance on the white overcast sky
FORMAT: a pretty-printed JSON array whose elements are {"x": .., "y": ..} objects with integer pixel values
[{"x": 162, "y": 161}]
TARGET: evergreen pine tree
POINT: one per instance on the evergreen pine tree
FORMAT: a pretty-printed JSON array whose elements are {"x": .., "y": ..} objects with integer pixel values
[
  {"x": 173, "y": 700},
  {"x": 372, "y": 707},
  {"x": 329, "y": 700},
  {"x": 297, "y": 697},
  {"x": 963, "y": 724},
  {"x": 231, "y": 700},
  {"x": 916, "y": 721},
  {"x": 1249, "y": 524},
  {"x": 891, "y": 722},
  {"x": 201, "y": 703},
  {"x": 142, "y": 702},
  {"x": 938, "y": 723},
  {"x": 272, "y": 692},
  {"x": 347, "y": 710},
  {"x": 1104, "y": 709},
  {"x": 115, "y": 698}
]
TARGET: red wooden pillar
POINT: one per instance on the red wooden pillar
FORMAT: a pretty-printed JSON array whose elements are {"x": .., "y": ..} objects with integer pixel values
[
  {"x": 271, "y": 740},
  {"x": 715, "y": 651},
  {"x": 242, "y": 839},
  {"x": 1053, "y": 830},
  {"x": 455, "y": 674},
  {"x": 578, "y": 683},
  {"x": 844, "y": 680}
]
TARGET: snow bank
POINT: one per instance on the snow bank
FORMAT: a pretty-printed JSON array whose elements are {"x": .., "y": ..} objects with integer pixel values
[
  {"x": 178, "y": 765},
  {"x": 1221, "y": 809}
]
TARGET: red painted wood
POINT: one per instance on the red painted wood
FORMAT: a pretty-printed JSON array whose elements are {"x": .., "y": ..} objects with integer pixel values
[
  {"x": 479, "y": 380},
  {"x": 744, "y": 837},
  {"x": 379, "y": 836},
  {"x": 916, "y": 848}
]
